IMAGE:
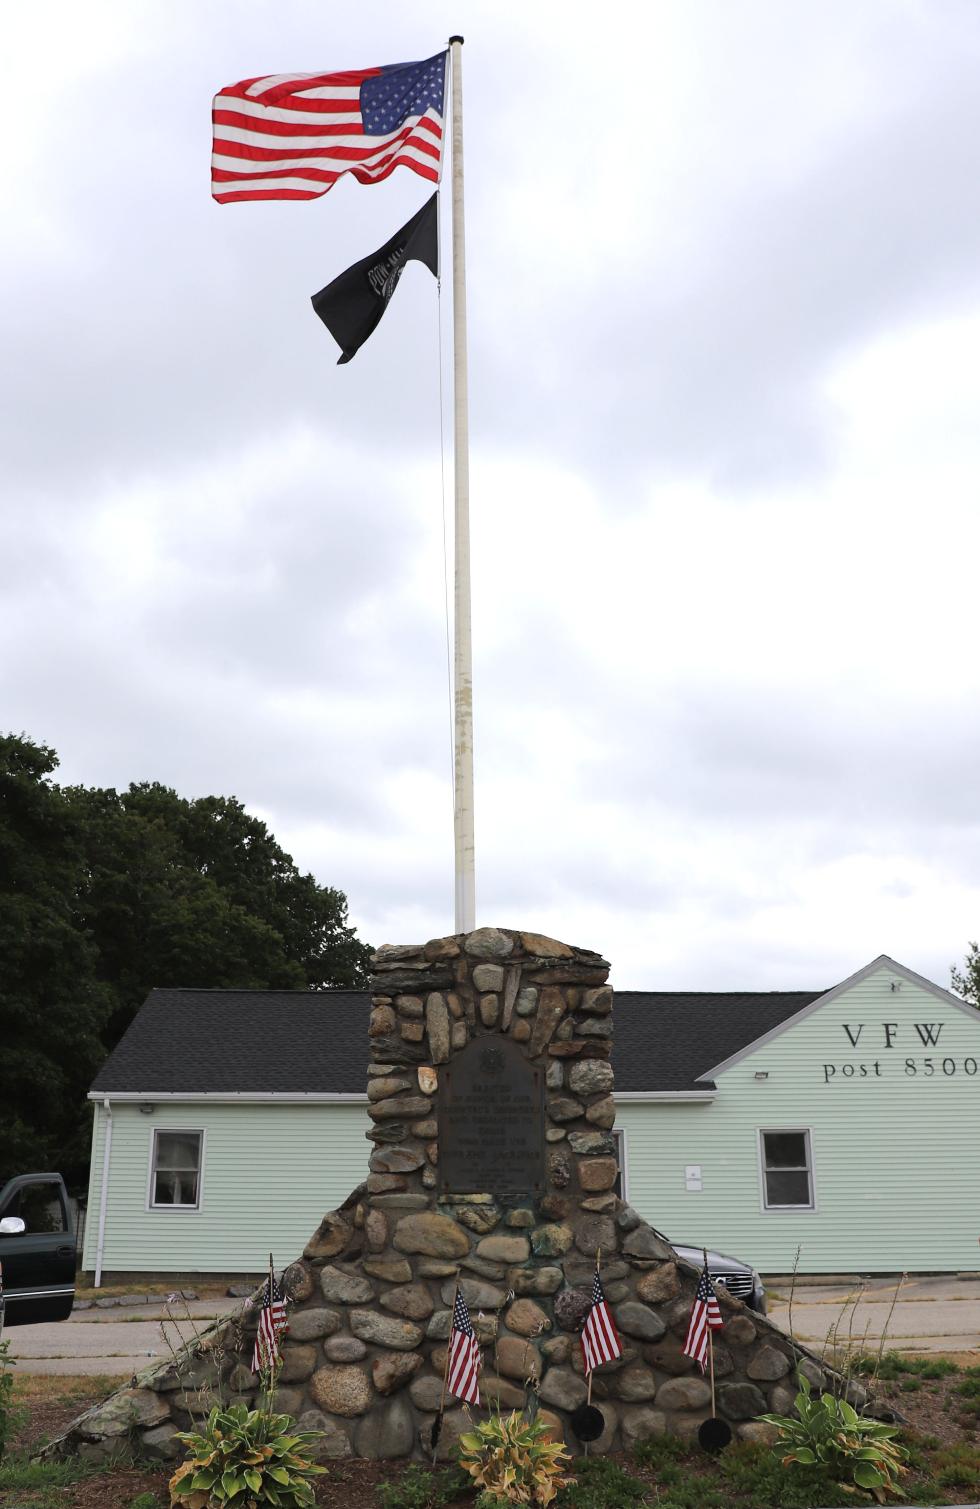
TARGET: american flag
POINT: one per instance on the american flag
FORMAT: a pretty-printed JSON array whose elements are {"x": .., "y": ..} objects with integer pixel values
[
  {"x": 272, "y": 1325},
  {"x": 292, "y": 135},
  {"x": 705, "y": 1317},
  {"x": 600, "y": 1339},
  {"x": 464, "y": 1355}
]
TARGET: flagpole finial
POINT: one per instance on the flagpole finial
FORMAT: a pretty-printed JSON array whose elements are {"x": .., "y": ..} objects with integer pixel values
[{"x": 456, "y": 39}]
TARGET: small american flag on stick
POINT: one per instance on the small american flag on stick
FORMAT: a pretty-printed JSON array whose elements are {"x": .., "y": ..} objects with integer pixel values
[
  {"x": 464, "y": 1355},
  {"x": 705, "y": 1317},
  {"x": 600, "y": 1339},
  {"x": 272, "y": 1325}
]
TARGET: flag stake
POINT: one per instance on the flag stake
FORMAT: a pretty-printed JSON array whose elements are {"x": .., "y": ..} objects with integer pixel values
[
  {"x": 711, "y": 1344},
  {"x": 437, "y": 1422},
  {"x": 463, "y": 650}
]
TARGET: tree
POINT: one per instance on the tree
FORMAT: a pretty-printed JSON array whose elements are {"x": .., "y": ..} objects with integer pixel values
[
  {"x": 966, "y": 982},
  {"x": 108, "y": 894}
]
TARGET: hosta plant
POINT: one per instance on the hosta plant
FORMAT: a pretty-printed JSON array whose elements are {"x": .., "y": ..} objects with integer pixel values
[
  {"x": 245, "y": 1458},
  {"x": 830, "y": 1434},
  {"x": 512, "y": 1458}
]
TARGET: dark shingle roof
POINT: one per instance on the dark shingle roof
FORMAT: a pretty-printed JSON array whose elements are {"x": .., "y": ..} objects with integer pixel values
[
  {"x": 266, "y": 1041},
  {"x": 665, "y": 1039},
  {"x": 244, "y": 1041}
]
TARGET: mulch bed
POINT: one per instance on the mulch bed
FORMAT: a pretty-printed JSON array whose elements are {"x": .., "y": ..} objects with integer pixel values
[{"x": 933, "y": 1411}]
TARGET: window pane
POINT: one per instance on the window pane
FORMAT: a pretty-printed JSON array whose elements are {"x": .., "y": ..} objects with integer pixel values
[
  {"x": 787, "y": 1189},
  {"x": 38, "y": 1206},
  {"x": 170, "y": 1188},
  {"x": 178, "y": 1149},
  {"x": 785, "y": 1149}
]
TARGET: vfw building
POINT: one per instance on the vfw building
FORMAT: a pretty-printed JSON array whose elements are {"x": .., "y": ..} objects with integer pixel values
[{"x": 841, "y": 1122}]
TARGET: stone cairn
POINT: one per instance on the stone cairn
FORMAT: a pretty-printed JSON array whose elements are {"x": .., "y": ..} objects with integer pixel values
[{"x": 370, "y": 1296}]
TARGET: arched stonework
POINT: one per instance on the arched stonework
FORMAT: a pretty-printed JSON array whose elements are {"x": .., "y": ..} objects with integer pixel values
[{"x": 369, "y": 1318}]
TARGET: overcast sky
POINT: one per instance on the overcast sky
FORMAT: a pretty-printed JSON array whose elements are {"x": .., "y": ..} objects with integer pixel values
[{"x": 724, "y": 314}]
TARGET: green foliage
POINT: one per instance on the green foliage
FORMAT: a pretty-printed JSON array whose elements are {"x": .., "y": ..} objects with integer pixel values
[
  {"x": 9, "y": 1414},
  {"x": 656, "y": 1452},
  {"x": 965, "y": 982},
  {"x": 755, "y": 1479},
  {"x": 829, "y": 1434},
  {"x": 145, "y": 1501},
  {"x": 893, "y": 1365},
  {"x": 513, "y": 1459},
  {"x": 45, "y": 1482},
  {"x": 244, "y": 1458},
  {"x": 103, "y": 895},
  {"x": 958, "y": 1467},
  {"x": 601, "y": 1483},
  {"x": 417, "y": 1488}
]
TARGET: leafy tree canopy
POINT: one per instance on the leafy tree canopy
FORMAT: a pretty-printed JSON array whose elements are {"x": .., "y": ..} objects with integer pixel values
[
  {"x": 104, "y": 895},
  {"x": 966, "y": 982}
]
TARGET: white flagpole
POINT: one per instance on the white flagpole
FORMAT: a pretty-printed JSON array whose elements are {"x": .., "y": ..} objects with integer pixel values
[{"x": 463, "y": 660}]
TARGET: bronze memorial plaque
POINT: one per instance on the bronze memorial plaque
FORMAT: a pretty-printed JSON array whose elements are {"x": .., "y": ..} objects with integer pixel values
[{"x": 491, "y": 1121}]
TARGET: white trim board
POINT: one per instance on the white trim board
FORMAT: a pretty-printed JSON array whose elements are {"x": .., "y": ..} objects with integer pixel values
[
  {"x": 227, "y": 1097},
  {"x": 883, "y": 961}
]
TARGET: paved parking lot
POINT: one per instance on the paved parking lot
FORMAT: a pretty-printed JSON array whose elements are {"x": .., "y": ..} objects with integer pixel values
[{"x": 932, "y": 1315}]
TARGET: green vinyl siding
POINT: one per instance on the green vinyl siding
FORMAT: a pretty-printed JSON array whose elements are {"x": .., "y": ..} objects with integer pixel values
[
  {"x": 896, "y": 1174},
  {"x": 270, "y": 1171}
]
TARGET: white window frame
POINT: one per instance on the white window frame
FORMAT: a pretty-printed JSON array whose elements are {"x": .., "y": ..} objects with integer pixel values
[
  {"x": 166, "y": 1131},
  {"x": 621, "y": 1139},
  {"x": 807, "y": 1134}
]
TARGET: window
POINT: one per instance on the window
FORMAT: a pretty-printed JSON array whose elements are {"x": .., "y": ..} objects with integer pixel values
[
  {"x": 39, "y": 1207},
  {"x": 175, "y": 1172},
  {"x": 787, "y": 1170},
  {"x": 619, "y": 1188}
]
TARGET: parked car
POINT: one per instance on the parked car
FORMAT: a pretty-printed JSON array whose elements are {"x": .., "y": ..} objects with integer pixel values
[
  {"x": 738, "y": 1278},
  {"x": 37, "y": 1249}
]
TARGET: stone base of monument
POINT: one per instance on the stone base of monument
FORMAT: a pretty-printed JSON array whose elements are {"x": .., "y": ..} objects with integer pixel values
[{"x": 490, "y": 1092}]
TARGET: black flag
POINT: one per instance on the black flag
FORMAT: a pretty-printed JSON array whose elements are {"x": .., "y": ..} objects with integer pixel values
[{"x": 352, "y": 305}]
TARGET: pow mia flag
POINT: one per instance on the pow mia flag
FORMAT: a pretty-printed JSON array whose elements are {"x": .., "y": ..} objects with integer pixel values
[{"x": 352, "y": 305}]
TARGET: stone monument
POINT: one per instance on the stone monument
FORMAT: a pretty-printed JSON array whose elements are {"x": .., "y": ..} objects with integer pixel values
[{"x": 490, "y": 1093}]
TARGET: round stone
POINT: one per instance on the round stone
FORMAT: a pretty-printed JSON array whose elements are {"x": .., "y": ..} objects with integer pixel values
[
  {"x": 298, "y": 1362},
  {"x": 399, "y": 1105},
  {"x": 298, "y": 1282},
  {"x": 392, "y": 1370},
  {"x": 332, "y": 1441},
  {"x": 634, "y": 1319},
  {"x": 597, "y": 1173},
  {"x": 571, "y": 1308},
  {"x": 689, "y": 1393},
  {"x": 396, "y": 1160},
  {"x": 563, "y": 1108},
  {"x": 641, "y": 1424},
  {"x": 345, "y": 1288},
  {"x": 386, "y": 1433},
  {"x": 385, "y": 1330},
  {"x": 642, "y": 1243},
  {"x": 595, "y": 1233},
  {"x": 344, "y": 1349},
  {"x": 380, "y": 1089},
  {"x": 330, "y": 1238},
  {"x": 426, "y": 1392},
  {"x": 551, "y": 1241},
  {"x": 527, "y": 1000},
  {"x": 526, "y": 1318},
  {"x": 739, "y": 1401},
  {"x": 389, "y": 1270},
  {"x": 602, "y": 1113},
  {"x": 592, "y": 1143},
  {"x": 535, "y": 1280},
  {"x": 516, "y": 1357},
  {"x": 428, "y": 1080},
  {"x": 376, "y": 1230},
  {"x": 505, "y": 1249},
  {"x": 488, "y": 977},
  {"x": 432, "y": 1234},
  {"x": 659, "y": 1285},
  {"x": 563, "y": 1388},
  {"x": 768, "y": 1364},
  {"x": 635, "y": 1383},
  {"x": 413, "y": 1301},
  {"x": 489, "y": 1009},
  {"x": 559, "y": 1169},
  {"x": 479, "y": 1218},
  {"x": 343, "y": 1391},
  {"x": 309, "y": 1325},
  {"x": 592, "y": 1076},
  {"x": 488, "y": 943}
]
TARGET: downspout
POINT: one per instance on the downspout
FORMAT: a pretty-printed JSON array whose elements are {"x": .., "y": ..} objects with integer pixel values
[{"x": 104, "y": 1192}]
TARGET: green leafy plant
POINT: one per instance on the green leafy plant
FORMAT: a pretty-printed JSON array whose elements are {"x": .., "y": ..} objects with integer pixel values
[
  {"x": 244, "y": 1458},
  {"x": 601, "y": 1483},
  {"x": 8, "y": 1414},
  {"x": 514, "y": 1459},
  {"x": 417, "y": 1488},
  {"x": 828, "y": 1433},
  {"x": 145, "y": 1501}
]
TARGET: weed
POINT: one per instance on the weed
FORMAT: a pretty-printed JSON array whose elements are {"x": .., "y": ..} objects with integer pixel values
[
  {"x": 600, "y": 1483},
  {"x": 759, "y": 1480},
  {"x": 145, "y": 1501},
  {"x": 10, "y": 1416},
  {"x": 957, "y": 1467},
  {"x": 970, "y": 1387},
  {"x": 657, "y": 1451},
  {"x": 940, "y": 1368},
  {"x": 910, "y": 1385},
  {"x": 417, "y": 1488}
]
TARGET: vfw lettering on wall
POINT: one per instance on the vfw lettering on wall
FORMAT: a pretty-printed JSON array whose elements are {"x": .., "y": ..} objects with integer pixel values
[{"x": 890, "y": 1042}]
